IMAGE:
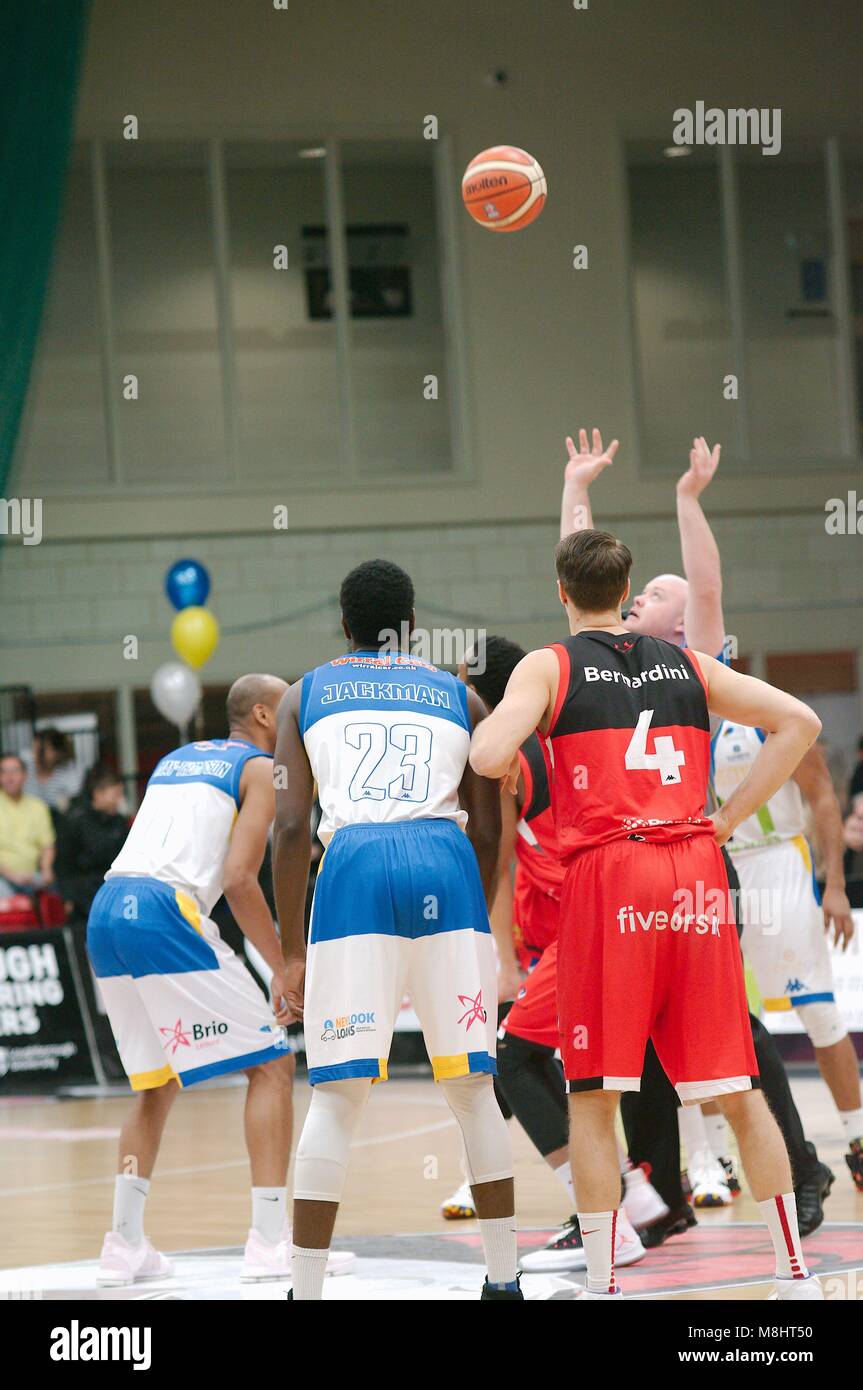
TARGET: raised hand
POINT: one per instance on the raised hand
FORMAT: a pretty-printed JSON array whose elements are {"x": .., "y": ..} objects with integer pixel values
[
  {"x": 703, "y": 463},
  {"x": 585, "y": 464}
]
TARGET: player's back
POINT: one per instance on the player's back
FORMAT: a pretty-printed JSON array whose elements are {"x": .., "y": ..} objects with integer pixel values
[
  {"x": 183, "y": 827},
  {"x": 387, "y": 736},
  {"x": 630, "y": 741}
]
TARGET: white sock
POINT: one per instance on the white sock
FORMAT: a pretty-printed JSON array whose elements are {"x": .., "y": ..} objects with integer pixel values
[
  {"x": 598, "y": 1230},
  {"x": 691, "y": 1124},
  {"x": 780, "y": 1213},
  {"x": 308, "y": 1268},
  {"x": 268, "y": 1212},
  {"x": 564, "y": 1177},
  {"x": 717, "y": 1134},
  {"x": 852, "y": 1123},
  {"x": 130, "y": 1198},
  {"x": 499, "y": 1244}
]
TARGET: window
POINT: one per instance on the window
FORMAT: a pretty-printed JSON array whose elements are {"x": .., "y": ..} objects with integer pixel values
[
  {"x": 742, "y": 310},
  {"x": 227, "y": 313}
]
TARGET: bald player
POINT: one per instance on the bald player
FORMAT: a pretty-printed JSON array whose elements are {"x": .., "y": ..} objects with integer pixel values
[{"x": 182, "y": 1005}]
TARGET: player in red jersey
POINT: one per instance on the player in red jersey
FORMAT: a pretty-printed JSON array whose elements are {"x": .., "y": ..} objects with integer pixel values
[{"x": 647, "y": 943}]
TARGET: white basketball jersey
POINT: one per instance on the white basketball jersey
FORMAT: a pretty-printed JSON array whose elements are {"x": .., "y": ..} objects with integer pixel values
[
  {"x": 183, "y": 827},
  {"x": 387, "y": 738},
  {"x": 735, "y": 749}
]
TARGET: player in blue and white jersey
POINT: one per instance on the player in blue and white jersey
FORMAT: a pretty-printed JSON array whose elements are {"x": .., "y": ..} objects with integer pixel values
[
  {"x": 182, "y": 1005},
  {"x": 400, "y": 907}
]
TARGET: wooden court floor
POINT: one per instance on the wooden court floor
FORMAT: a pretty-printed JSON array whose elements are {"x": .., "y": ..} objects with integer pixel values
[{"x": 57, "y": 1165}]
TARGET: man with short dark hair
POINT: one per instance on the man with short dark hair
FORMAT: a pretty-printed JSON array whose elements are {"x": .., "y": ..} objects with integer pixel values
[
  {"x": 647, "y": 945},
  {"x": 90, "y": 837},
  {"x": 400, "y": 907}
]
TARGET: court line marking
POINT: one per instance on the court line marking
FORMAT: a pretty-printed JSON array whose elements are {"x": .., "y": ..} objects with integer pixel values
[{"x": 220, "y": 1167}]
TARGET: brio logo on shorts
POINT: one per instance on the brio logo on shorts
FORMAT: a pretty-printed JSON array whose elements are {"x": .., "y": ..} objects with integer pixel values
[
  {"x": 346, "y": 1025},
  {"x": 208, "y": 1030},
  {"x": 630, "y": 919}
]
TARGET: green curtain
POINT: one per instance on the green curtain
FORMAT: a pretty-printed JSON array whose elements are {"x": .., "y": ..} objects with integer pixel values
[{"x": 41, "y": 44}]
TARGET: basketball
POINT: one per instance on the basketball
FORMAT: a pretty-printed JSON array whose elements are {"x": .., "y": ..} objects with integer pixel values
[{"x": 504, "y": 189}]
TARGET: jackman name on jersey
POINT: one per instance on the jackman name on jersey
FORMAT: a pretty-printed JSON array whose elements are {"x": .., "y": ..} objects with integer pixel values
[{"x": 385, "y": 690}]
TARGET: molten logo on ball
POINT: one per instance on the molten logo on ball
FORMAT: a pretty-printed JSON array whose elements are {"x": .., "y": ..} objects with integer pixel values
[{"x": 518, "y": 185}]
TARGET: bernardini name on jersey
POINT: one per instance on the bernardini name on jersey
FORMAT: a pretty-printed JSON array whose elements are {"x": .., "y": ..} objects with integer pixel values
[
  {"x": 179, "y": 767},
  {"x": 659, "y": 672},
  {"x": 385, "y": 690}
]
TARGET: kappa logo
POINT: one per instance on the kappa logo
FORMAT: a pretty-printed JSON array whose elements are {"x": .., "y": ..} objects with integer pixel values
[
  {"x": 473, "y": 1010},
  {"x": 795, "y": 986}
]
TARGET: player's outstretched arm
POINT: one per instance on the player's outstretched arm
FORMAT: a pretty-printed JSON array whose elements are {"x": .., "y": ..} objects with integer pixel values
[
  {"x": 529, "y": 697},
  {"x": 240, "y": 880},
  {"x": 481, "y": 799},
  {"x": 292, "y": 845},
  {"x": 583, "y": 467},
  {"x": 791, "y": 729},
  {"x": 814, "y": 780},
  {"x": 704, "y": 621}
]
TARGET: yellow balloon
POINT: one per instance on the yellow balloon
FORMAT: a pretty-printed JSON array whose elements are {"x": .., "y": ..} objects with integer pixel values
[{"x": 195, "y": 635}]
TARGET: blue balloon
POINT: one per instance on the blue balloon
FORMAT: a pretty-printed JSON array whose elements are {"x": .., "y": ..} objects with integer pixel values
[{"x": 187, "y": 582}]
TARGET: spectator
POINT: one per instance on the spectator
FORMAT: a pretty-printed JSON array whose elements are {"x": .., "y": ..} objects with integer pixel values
[
  {"x": 853, "y": 833},
  {"x": 855, "y": 786},
  {"x": 26, "y": 833},
  {"x": 89, "y": 839},
  {"x": 52, "y": 773}
]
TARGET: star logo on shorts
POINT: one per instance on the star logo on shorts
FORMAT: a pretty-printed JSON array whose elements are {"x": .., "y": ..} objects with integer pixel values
[
  {"x": 176, "y": 1035},
  {"x": 473, "y": 1010}
]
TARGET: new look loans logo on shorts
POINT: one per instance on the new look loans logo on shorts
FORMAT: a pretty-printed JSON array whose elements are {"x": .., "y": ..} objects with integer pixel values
[{"x": 346, "y": 1025}]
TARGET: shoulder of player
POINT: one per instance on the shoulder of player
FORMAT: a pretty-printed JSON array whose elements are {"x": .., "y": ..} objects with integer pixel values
[{"x": 257, "y": 775}]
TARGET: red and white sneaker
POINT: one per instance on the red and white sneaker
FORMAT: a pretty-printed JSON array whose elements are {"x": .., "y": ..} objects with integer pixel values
[
  {"x": 565, "y": 1251},
  {"x": 121, "y": 1264},
  {"x": 585, "y": 1295},
  {"x": 262, "y": 1261}
]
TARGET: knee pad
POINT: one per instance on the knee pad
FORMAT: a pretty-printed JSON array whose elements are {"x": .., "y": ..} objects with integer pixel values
[
  {"x": 486, "y": 1138},
  {"x": 532, "y": 1080},
  {"x": 823, "y": 1022},
  {"x": 322, "y": 1153}
]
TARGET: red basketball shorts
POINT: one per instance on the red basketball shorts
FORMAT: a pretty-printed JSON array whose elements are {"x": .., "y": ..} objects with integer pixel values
[
  {"x": 533, "y": 1016},
  {"x": 536, "y": 917},
  {"x": 648, "y": 949}
]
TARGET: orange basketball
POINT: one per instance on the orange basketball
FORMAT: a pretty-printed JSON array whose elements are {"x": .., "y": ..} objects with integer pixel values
[{"x": 503, "y": 188}]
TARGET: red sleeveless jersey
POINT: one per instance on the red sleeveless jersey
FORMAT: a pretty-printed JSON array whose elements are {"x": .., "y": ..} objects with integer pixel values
[
  {"x": 630, "y": 741},
  {"x": 536, "y": 846}
]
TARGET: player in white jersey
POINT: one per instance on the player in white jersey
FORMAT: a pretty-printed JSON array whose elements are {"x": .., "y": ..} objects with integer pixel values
[
  {"x": 400, "y": 906},
  {"x": 182, "y": 1005},
  {"x": 786, "y": 923}
]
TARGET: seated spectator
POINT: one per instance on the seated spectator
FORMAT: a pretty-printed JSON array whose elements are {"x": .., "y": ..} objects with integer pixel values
[
  {"x": 89, "y": 839},
  {"x": 26, "y": 833},
  {"x": 52, "y": 773}
]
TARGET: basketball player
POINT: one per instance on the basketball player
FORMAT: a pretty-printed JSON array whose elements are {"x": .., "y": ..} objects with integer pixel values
[
  {"x": 690, "y": 611},
  {"x": 399, "y": 906},
  {"x": 529, "y": 1071},
  {"x": 647, "y": 947},
  {"x": 182, "y": 1006},
  {"x": 785, "y": 923}
]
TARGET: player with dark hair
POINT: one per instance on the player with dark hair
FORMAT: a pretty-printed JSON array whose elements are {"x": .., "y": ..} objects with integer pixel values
[
  {"x": 399, "y": 906},
  {"x": 647, "y": 945}
]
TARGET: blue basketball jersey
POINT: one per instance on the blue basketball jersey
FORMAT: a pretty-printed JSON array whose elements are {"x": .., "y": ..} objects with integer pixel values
[{"x": 387, "y": 737}]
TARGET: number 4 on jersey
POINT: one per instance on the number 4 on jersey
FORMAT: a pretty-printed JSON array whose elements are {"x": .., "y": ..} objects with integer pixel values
[{"x": 665, "y": 759}]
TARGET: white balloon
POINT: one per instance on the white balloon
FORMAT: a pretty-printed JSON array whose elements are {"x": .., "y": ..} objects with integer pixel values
[{"x": 176, "y": 691}]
